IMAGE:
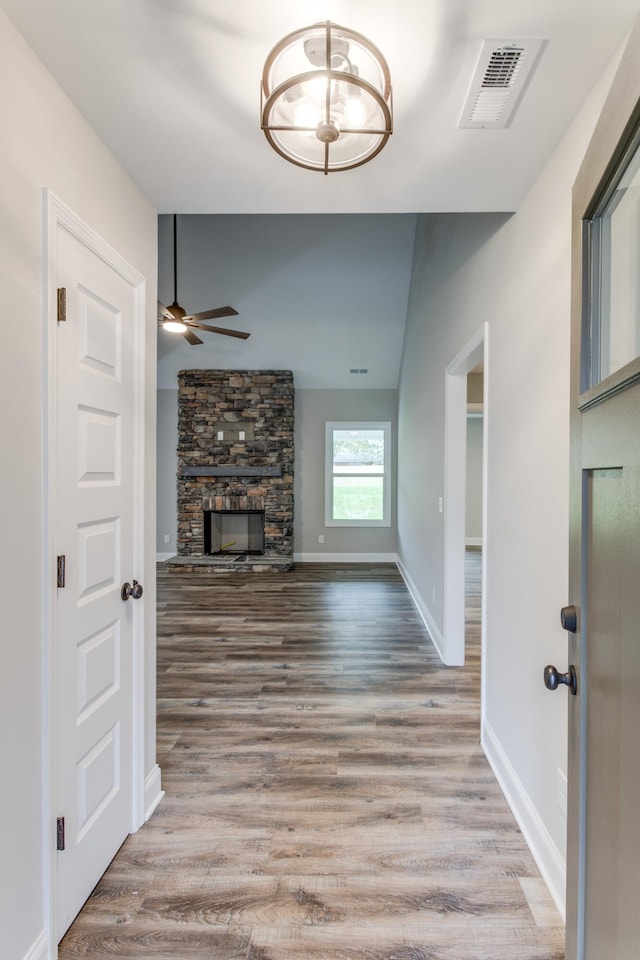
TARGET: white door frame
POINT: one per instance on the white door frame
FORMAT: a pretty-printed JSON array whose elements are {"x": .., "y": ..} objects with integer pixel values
[
  {"x": 58, "y": 216},
  {"x": 455, "y": 475}
]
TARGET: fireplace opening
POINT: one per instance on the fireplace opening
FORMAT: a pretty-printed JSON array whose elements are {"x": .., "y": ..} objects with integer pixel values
[{"x": 234, "y": 531}]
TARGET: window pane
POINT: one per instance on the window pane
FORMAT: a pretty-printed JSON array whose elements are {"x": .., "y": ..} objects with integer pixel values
[
  {"x": 357, "y": 490},
  {"x": 619, "y": 294},
  {"x": 358, "y": 451},
  {"x": 358, "y": 498}
]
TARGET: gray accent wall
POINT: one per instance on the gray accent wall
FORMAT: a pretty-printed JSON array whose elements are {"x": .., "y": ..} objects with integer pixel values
[
  {"x": 473, "y": 500},
  {"x": 313, "y": 409},
  {"x": 167, "y": 483},
  {"x": 319, "y": 295}
]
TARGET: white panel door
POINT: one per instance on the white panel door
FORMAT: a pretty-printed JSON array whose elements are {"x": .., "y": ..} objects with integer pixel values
[{"x": 94, "y": 627}]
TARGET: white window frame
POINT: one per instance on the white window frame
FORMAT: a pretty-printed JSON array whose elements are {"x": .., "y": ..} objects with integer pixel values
[{"x": 329, "y": 475}]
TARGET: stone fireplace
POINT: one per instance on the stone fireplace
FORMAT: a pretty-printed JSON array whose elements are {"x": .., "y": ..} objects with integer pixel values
[{"x": 235, "y": 470}]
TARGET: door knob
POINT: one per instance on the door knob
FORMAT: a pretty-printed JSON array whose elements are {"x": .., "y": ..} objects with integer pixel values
[
  {"x": 133, "y": 590},
  {"x": 553, "y": 679},
  {"x": 569, "y": 618}
]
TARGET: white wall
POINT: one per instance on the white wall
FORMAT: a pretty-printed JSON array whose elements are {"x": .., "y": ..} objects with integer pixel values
[
  {"x": 45, "y": 143},
  {"x": 513, "y": 274},
  {"x": 443, "y": 316}
]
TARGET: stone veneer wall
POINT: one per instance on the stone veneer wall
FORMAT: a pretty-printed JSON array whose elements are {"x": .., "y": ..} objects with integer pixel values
[{"x": 262, "y": 401}]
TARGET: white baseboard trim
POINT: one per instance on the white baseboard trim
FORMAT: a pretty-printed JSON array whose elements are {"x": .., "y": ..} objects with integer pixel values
[
  {"x": 473, "y": 541},
  {"x": 153, "y": 792},
  {"x": 345, "y": 557},
  {"x": 39, "y": 950},
  {"x": 161, "y": 557},
  {"x": 549, "y": 859},
  {"x": 427, "y": 618}
]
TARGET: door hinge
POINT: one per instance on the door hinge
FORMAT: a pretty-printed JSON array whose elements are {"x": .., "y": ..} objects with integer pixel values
[
  {"x": 62, "y": 569},
  {"x": 60, "y": 833},
  {"x": 62, "y": 304}
]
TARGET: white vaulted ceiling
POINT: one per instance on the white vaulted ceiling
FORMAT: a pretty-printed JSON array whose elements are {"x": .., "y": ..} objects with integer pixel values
[{"x": 173, "y": 89}]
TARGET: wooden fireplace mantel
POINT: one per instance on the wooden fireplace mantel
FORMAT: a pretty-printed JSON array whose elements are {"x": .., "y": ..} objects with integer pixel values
[{"x": 231, "y": 471}]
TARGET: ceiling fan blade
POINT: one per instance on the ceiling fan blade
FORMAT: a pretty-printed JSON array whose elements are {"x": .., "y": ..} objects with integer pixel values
[
  {"x": 191, "y": 338},
  {"x": 223, "y": 330},
  {"x": 213, "y": 314},
  {"x": 165, "y": 312}
]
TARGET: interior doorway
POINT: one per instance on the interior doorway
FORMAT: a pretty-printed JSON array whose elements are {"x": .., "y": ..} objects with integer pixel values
[
  {"x": 473, "y": 515},
  {"x": 474, "y": 463},
  {"x": 473, "y": 357}
]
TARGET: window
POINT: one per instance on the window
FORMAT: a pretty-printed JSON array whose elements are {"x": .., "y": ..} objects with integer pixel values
[
  {"x": 613, "y": 243},
  {"x": 358, "y": 475}
]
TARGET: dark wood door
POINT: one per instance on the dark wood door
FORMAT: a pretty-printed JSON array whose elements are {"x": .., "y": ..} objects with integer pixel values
[{"x": 603, "y": 862}]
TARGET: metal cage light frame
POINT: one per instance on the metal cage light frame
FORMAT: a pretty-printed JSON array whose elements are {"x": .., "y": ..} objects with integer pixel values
[{"x": 326, "y": 98}]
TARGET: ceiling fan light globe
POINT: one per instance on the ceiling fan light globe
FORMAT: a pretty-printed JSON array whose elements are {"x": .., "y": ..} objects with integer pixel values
[{"x": 174, "y": 326}]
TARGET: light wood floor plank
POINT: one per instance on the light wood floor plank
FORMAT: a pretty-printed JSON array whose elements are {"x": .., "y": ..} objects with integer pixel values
[{"x": 326, "y": 794}]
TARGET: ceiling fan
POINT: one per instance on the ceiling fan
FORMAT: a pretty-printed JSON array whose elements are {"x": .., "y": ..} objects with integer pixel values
[{"x": 175, "y": 319}]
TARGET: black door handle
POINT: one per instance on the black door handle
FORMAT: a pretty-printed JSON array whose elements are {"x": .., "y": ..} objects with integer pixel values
[
  {"x": 134, "y": 590},
  {"x": 553, "y": 679}
]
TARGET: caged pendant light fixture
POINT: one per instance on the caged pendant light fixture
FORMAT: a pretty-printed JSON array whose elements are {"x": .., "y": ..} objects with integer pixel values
[{"x": 326, "y": 98}]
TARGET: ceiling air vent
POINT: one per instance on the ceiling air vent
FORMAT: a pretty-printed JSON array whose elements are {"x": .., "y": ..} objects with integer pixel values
[{"x": 503, "y": 71}]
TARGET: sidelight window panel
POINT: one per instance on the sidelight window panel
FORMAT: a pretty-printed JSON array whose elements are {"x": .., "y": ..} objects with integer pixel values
[{"x": 612, "y": 321}]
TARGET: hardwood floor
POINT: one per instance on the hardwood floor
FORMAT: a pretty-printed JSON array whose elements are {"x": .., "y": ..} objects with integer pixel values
[{"x": 326, "y": 794}]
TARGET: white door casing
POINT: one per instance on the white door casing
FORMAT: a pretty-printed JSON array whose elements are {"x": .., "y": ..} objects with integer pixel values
[
  {"x": 474, "y": 352},
  {"x": 94, "y": 496}
]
